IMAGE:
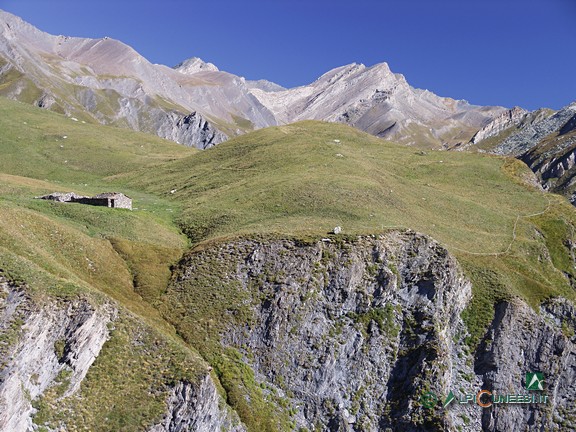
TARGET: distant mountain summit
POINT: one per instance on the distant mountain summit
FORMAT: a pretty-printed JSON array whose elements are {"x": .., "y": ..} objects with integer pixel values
[
  {"x": 194, "y": 65},
  {"x": 196, "y": 104},
  {"x": 378, "y": 101}
]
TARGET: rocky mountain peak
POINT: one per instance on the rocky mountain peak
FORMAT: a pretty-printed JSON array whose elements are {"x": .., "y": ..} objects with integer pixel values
[{"x": 194, "y": 65}]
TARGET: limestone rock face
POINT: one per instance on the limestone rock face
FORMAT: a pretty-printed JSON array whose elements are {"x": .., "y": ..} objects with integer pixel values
[
  {"x": 533, "y": 132},
  {"x": 191, "y": 129},
  {"x": 519, "y": 341},
  {"x": 355, "y": 333},
  {"x": 44, "y": 342}
]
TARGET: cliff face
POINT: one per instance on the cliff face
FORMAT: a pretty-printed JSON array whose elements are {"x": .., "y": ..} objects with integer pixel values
[
  {"x": 353, "y": 334},
  {"x": 42, "y": 344},
  {"x": 507, "y": 119},
  {"x": 536, "y": 128},
  {"x": 520, "y": 340}
]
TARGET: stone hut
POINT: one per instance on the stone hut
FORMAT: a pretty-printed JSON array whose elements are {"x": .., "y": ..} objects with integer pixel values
[{"x": 115, "y": 200}]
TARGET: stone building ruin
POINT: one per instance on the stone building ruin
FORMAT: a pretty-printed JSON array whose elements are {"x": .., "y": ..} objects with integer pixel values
[{"x": 107, "y": 199}]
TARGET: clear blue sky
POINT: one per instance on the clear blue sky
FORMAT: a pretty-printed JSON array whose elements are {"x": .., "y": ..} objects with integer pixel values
[{"x": 489, "y": 52}]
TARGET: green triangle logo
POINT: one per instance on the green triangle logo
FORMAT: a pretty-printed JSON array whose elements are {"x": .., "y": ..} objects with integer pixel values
[
  {"x": 534, "y": 381},
  {"x": 449, "y": 399}
]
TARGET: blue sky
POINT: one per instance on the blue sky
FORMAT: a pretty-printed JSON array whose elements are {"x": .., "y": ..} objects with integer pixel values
[{"x": 489, "y": 52}]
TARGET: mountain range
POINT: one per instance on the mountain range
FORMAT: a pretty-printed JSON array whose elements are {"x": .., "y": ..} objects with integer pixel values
[{"x": 198, "y": 105}]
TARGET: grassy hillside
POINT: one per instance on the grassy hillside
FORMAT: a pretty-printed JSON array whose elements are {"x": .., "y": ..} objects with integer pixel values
[
  {"x": 44, "y": 152},
  {"x": 298, "y": 179}
]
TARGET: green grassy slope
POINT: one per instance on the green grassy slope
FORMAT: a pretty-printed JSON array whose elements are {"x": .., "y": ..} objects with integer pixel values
[
  {"x": 297, "y": 180},
  {"x": 44, "y": 152}
]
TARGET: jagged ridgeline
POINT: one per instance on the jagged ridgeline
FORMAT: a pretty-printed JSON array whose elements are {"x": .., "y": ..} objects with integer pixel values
[{"x": 221, "y": 302}]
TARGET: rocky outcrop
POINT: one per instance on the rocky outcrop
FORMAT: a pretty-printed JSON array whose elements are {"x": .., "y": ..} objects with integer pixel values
[
  {"x": 356, "y": 353},
  {"x": 191, "y": 130},
  {"x": 194, "y": 65},
  {"x": 42, "y": 341},
  {"x": 510, "y": 118},
  {"x": 358, "y": 334},
  {"x": 54, "y": 343},
  {"x": 538, "y": 126},
  {"x": 197, "y": 407}
]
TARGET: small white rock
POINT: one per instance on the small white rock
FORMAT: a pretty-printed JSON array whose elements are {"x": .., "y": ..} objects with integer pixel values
[{"x": 337, "y": 230}]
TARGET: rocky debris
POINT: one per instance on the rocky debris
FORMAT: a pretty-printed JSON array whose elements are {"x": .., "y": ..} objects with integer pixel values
[
  {"x": 44, "y": 341},
  {"x": 197, "y": 407}
]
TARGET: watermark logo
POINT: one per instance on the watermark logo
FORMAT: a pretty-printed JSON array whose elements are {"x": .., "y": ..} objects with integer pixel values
[
  {"x": 486, "y": 398},
  {"x": 534, "y": 381}
]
